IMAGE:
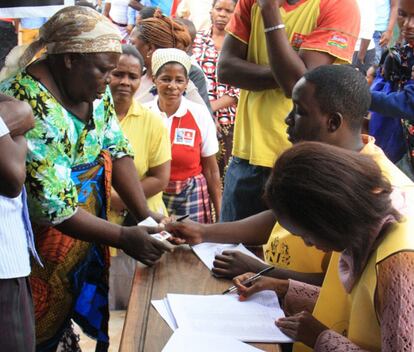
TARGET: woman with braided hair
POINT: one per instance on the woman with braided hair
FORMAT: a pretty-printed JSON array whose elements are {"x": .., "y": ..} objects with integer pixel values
[{"x": 160, "y": 32}]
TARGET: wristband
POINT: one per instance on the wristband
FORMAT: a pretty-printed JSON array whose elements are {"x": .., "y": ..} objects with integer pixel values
[{"x": 274, "y": 28}]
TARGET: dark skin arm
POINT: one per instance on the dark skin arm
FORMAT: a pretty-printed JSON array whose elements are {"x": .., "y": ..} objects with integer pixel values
[
  {"x": 286, "y": 65},
  {"x": 363, "y": 50},
  {"x": 212, "y": 174},
  {"x": 387, "y": 35},
  {"x": 136, "y": 5},
  {"x": 254, "y": 230},
  {"x": 106, "y": 10},
  {"x": 233, "y": 59},
  {"x": 233, "y": 263},
  {"x": 155, "y": 182},
  {"x": 17, "y": 115}
]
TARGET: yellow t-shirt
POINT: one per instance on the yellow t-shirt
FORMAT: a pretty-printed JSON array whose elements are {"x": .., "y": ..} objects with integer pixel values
[
  {"x": 287, "y": 251},
  {"x": 149, "y": 139},
  {"x": 330, "y": 26}
]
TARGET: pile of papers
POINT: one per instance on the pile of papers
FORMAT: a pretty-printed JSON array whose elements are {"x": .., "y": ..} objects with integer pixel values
[{"x": 224, "y": 316}]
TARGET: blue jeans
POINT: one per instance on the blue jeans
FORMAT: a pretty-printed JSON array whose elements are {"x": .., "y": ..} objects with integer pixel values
[
  {"x": 243, "y": 190},
  {"x": 378, "y": 49}
]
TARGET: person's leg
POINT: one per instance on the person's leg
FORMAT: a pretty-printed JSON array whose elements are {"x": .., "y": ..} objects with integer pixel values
[
  {"x": 378, "y": 49},
  {"x": 243, "y": 190},
  {"x": 17, "y": 332}
]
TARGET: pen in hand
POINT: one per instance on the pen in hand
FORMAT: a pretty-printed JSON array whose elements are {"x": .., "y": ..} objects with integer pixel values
[
  {"x": 250, "y": 279},
  {"x": 182, "y": 218}
]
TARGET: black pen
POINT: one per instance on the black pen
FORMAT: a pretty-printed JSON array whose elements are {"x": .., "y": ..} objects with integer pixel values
[
  {"x": 182, "y": 218},
  {"x": 250, "y": 279}
]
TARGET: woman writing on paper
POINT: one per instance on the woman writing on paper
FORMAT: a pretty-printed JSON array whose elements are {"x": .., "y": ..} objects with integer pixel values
[{"x": 338, "y": 200}]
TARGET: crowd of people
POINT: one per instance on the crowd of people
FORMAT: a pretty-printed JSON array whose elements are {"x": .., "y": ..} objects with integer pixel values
[{"x": 287, "y": 124}]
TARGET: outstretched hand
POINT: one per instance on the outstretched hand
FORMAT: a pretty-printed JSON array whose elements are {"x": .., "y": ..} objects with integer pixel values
[
  {"x": 302, "y": 327},
  {"x": 136, "y": 242},
  {"x": 232, "y": 263}
]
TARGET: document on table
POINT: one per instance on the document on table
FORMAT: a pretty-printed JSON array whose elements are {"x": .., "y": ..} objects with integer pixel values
[
  {"x": 190, "y": 341},
  {"x": 207, "y": 251},
  {"x": 163, "y": 308},
  {"x": 248, "y": 321}
]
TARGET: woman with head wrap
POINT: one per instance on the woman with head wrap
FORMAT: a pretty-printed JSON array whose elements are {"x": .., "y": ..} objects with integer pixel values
[
  {"x": 195, "y": 178},
  {"x": 161, "y": 32},
  {"x": 74, "y": 148}
]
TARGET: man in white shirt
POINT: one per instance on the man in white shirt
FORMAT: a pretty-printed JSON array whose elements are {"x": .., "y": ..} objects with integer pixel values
[
  {"x": 196, "y": 11},
  {"x": 17, "y": 331},
  {"x": 364, "y": 55}
]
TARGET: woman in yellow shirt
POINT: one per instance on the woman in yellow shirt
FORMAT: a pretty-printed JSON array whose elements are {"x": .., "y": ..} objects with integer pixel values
[
  {"x": 338, "y": 200},
  {"x": 150, "y": 142},
  {"x": 145, "y": 131}
]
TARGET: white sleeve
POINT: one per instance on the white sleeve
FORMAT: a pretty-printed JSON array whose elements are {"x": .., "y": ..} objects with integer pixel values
[
  {"x": 367, "y": 8},
  {"x": 209, "y": 142},
  {"x": 3, "y": 128}
]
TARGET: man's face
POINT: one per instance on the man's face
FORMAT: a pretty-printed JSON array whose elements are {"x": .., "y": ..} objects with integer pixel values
[{"x": 306, "y": 122}]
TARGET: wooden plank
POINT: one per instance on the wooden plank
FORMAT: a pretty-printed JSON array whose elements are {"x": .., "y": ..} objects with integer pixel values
[
  {"x": 178, "y": 272},
  {"x": 133, "y": 333}
]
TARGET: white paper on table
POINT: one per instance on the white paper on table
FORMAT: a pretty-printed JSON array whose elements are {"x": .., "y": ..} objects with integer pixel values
[
  {"x": 252, "y": 320},
  {"x": 163, "y": 308},
  {"x": 189, "y": 341},
  {"x": 207, "y": 251}
]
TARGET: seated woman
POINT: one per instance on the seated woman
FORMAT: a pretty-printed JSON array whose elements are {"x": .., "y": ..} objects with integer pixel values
[
  {"x": 195, "y": 178},
  {"x": 338, "y": 200},
  {"x": 73, "y": 150},
  {"x": 150, "y": 142}
]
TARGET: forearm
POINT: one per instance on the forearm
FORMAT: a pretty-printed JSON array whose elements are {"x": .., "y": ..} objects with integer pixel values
[
  {"x": 212, "y": 175},
  {"x": 87, "y": 227},
  {"x": 17, "y": 115},
  {"x": 136, "y": 5},
  {"x": 12, "y": 165},
  {"x": 254, "y": 230},
  {"x": 299, "y": 297},
  {"x": 126, "y": 182},
  {"x": 363, "y": 49},
  {"x": 393, "y": 15},
  {"x": 152, "y": 185},
  {"x": 224, "y": 102},
  {"x": 308, "y": 278},
  {"x": 286, "y": 65},
  {"x": 233, "y": 60}
]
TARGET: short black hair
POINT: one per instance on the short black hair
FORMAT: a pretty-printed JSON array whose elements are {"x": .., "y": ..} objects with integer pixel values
[
  {"x": 147, "y": 12},
  {"x": 128, "y": 49},
  {"x": 343, "y": 89}
]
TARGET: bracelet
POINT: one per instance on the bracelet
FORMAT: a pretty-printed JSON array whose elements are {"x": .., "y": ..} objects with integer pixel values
[{"x": 274, "y": 28}]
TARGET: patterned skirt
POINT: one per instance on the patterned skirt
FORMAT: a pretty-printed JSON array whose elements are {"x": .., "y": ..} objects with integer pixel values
[
  {"x": 73, "y": 284},
  {"x": 189, "y": 197}
]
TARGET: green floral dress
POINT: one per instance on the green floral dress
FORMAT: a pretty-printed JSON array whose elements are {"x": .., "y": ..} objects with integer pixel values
[{"x": 58, "y": 142}]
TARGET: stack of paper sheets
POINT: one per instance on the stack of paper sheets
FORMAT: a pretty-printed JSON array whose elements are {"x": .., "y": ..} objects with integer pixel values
[{"x": 225, "y": 316}]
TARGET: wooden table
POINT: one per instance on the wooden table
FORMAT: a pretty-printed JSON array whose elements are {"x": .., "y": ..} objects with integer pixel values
[{"x": 177, "y": 272}]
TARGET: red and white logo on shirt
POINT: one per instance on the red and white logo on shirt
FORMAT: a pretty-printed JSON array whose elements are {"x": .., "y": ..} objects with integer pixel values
[{"x": 184, "y": 136}]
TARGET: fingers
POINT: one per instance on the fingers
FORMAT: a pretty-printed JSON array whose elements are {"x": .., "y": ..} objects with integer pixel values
[{"x": 221, "y": 272}]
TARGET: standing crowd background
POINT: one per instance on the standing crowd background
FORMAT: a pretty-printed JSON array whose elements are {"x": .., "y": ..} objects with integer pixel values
[{"x": 287, "y": 124}]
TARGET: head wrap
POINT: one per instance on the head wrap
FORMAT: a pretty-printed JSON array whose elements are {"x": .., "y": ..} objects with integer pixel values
[
  {"x": 74, "y": 29},
  {"x": 162, "y": 57}
]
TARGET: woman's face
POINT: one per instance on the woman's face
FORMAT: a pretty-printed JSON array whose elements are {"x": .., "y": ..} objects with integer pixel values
[
  {"x": 143, "y": 47},
  {"x": 309, "y": 238},
  {"x": 88, "y": 75},
  {"x": 126, "y": 77},
  {"x": 221, "y": 13},
  {"x": 406, "y": 20},
  {"x": 171, "y": 82}
]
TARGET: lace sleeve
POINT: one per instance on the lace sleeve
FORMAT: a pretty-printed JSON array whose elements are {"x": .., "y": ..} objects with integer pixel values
[
  {"x": 395, "y": 292},
  {"x": 300, "y": 297},
  {"x": 396, "y": 302}
]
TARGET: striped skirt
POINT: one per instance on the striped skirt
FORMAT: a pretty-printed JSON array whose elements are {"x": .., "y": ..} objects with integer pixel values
[{"x": 189, "y": 197}]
